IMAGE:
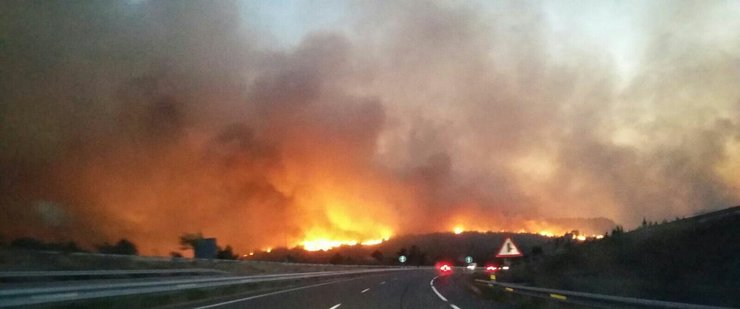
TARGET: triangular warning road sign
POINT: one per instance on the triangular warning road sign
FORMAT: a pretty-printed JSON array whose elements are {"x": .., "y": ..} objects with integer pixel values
[{"x": 508, "y": 249}]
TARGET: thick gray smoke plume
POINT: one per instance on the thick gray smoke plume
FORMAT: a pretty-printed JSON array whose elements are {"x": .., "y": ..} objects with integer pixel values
[{"x": 147, "y": 119}]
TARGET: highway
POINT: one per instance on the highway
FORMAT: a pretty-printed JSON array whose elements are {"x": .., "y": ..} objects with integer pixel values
[
  {"x": 421, "y": 288},
  {"x": 348, "y": 288}
]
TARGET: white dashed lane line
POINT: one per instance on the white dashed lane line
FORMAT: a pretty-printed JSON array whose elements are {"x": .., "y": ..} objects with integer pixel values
[
  {"x": 454, "y": 307},
  {"x": 365, "y": 290},
  {"x": 335, "y": 306},
  {"x": 382, "y": 283}
]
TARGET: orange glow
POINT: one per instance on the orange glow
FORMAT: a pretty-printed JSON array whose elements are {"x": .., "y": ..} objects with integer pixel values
[
  {"x": 324, "y": 240},
  {"x": 546, "y": 234},
  {"x": 372, "y": 242},
  {"x": 339, "y": 211},
  {"x": 458, "y": 229},
  {"x": 327, "y": 244}
]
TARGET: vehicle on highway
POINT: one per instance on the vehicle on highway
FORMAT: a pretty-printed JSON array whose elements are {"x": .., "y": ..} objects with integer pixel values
[
  {"x": 492, "y": 268},
  {"x": 444, "y": 268}
]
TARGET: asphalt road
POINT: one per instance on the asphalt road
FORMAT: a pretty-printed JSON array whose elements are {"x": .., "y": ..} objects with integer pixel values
[{"x": 408, "y": 289}]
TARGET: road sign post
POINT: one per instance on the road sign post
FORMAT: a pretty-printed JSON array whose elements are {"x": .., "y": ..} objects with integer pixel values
[{"x": 508, "y": 250}]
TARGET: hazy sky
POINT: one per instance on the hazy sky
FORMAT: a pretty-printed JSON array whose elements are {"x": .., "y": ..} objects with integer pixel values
[{"x": 265, "y": 123}]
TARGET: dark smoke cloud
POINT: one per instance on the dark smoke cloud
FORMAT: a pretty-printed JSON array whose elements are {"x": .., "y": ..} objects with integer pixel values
[{"x": 149, "y": 119}]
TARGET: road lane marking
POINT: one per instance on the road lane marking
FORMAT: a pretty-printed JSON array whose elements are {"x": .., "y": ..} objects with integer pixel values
[
  {"x": 335, "y": 306},
  {"x": 431, "y": 283},
  {"x": 189, "y": 285},
  {"x": 52, "y": 296},
  {"x": 365, "y": 290},
  {"x": 454, "y": 307},
  {"x": 509, "y": 289},
  {"x": 558, "y": 296},
  {"x": 273, "y": 293},
  {"x": 382, "y": 283}
]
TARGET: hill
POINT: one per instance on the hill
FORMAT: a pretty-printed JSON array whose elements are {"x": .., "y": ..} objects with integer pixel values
[{"x": 694, "y": 260}]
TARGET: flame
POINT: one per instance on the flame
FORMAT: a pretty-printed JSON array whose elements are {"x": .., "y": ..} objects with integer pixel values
[
  {"x": 458, "y": 229},
  {"x": 546, "y": 233},
  {"x": 319, "y": 239},
  {"x": 327, "y": 244},
  {"x": 372, "y": 242}
]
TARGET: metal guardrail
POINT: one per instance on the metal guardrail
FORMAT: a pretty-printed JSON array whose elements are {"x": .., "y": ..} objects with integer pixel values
[
  {"x": 48, "y": 295},
  {"x": 103, "y": 273},
  {"x": 144, "y": 258},
  {"x": 575, "y": 297}
]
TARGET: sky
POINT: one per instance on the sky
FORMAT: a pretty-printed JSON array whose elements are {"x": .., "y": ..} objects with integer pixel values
[{"x": 269, "y": 123}]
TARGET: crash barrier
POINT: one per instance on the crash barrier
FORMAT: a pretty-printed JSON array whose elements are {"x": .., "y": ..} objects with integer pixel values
[{"x": 582, "y": 298}]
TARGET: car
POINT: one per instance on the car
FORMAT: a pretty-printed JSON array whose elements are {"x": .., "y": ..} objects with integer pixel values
[
  {"x": 492, "y": 268},
  {"x": 444, "y": 268}
]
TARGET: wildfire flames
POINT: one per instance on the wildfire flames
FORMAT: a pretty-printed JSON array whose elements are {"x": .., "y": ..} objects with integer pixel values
[
  {"x": 323, "y": 243},
  {"x": 326, "y": 244}
]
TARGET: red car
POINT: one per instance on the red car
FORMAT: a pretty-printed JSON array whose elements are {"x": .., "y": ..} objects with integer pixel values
[
  {"x": 444, "y": 268},
  {"x": 491, "y": 268}
]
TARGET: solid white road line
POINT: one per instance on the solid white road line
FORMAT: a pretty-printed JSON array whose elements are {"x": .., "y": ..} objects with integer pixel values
[
  {"x": 431, "y": 283},
  {"x": 454, "y": 307},
  {"x": 336, "y": 306},
  {"x": 273, "y": 293},
  {"x": 365, "y": 290}
]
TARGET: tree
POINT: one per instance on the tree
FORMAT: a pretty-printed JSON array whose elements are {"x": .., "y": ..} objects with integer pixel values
[
  {"x": 189, "y": 240},
  {"x": 617, "y": 231},
  {"x": 536, "y": 250},
  {"x": 415, "y": 256},
  {"x": 402, "y": 252},
  {"x": 336, "y": 259},
  {"x": 226, "y": 254},
  {"x": 35, "y": 244},
  {"x": 123, "y": 246},
  {"x": 28, "y": 243},
  {"x": 377, "y": 255}
]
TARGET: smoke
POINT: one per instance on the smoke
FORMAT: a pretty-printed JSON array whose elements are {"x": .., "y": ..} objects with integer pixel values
[{"x": 146, "y": 120}]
